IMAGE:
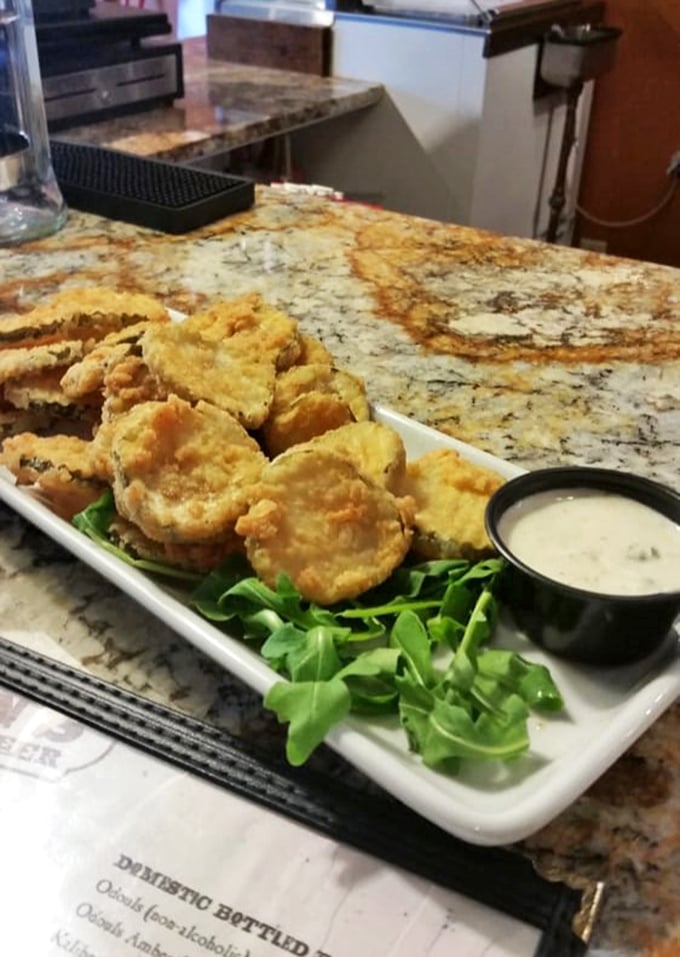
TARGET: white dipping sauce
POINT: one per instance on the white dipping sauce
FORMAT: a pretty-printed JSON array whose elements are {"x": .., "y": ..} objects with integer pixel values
[{"x": 598, "y": 541}]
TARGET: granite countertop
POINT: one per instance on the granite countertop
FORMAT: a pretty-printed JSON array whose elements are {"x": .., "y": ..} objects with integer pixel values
[
  {"x": 225, "y": 106},
  {"x": 539, "y": 354}
]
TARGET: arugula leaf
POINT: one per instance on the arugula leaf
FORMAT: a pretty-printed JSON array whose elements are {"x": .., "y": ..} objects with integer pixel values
[
  {"x": 376, "y": 654},
  {"x": 311, "y": 709},
  {"x": 453, "y": 734},
  {"x": 415, "y": 706},
  {"x": 409, "y": 635},
  {"x": 370, "y": 679},
  {"x": 531, "y": 681}
]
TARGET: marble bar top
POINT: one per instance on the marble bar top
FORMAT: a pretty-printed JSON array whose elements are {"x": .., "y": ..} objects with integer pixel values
[
  {"x": 225, "y": 106},
  {"x": 539, "y": 354}
]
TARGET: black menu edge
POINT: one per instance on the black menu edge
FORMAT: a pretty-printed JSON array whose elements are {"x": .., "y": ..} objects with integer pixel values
[{"x": 500, "y": 878}]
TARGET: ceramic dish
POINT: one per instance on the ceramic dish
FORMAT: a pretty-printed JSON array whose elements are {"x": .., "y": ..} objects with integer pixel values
[{"x": 605, "y": 710}]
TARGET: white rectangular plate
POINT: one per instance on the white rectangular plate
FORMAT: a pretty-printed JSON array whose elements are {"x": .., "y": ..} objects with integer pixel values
[{"x": 606, "y": 709}]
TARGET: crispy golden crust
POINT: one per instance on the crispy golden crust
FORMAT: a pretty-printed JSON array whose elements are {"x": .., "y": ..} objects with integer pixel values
[
  {"x": 127, "y": 383},
  {"x": 43, "y": 390},
  {"x": 450, "y": 496},
  {"x": 375, "y": 450},
  {"x": 61, "y": 470},
  {"x": 313, "y": 352},
  {"x": 182, "y": 473},
  {"x": 316, "y": 519},
  {"x": 18, "y": 363},
  {"x": 168, "y": 405},
  {"x": 310, "y": 415},
  {"x": 309, "y": 400},
  {"x": 227, "y": 356},
  {"x": 201, "y": 557},
  {"x": 80, "y": 313},
  {"x": 88, "y": 375}
]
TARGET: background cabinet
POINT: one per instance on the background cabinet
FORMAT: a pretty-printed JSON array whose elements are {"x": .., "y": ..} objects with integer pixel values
[{"x": 458, "y": 136}]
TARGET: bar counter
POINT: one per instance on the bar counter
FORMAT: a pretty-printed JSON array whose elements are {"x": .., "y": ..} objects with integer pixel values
[
  {"x": 539, "y": 354},
  {"x": 226, "y": 106}
]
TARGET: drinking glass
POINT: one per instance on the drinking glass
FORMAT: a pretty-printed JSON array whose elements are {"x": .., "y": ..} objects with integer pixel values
[{"x": 31, "y": 204}]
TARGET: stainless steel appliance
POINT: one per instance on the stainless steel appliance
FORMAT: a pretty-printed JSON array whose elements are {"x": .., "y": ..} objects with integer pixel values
[{"x": 99, "y": 60}]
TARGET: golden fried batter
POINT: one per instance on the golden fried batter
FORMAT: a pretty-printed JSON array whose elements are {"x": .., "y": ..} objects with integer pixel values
[
  {"x": 375, "y": 450},
  {"x": 127, "y": 383},
  {"x": 313, "y": 352},
  {"x": 182, "y": 473},
  {"x": 16, "y": 363},
  {"x": 309, "y": 400},
  {"x": 227, "y": 355},
  {"x": 315, "y": 518},
  {"x": 43, "y": 390},
  {"x": 87, "y": 376},
  {"x": 80, "y": 313},
  {"x": 202, "y": 557},
  {"x": 60, "y": 469},
  {"x": 450, "y": 495}
]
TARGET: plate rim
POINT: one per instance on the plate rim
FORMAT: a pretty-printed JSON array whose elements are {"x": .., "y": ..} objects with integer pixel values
[{"x": 429, "y": 793}]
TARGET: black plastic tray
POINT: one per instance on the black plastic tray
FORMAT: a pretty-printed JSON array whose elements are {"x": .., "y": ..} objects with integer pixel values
[{"x": 169, "y": 197}]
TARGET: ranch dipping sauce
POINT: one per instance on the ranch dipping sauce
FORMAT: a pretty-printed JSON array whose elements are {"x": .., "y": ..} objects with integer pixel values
[{"x": 595, "y": 540}]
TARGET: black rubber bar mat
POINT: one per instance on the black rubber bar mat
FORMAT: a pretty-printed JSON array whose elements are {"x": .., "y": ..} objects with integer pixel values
[
  {"x": 497, "y": 877},
  {"x": 169, "y": 197}
]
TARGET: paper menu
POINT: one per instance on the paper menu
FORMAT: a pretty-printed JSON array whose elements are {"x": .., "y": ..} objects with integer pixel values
[{"x": 108, "y": 852}]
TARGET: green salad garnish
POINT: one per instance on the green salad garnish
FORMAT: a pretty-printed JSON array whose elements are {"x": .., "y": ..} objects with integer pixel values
[{"x": 414, "y": 647}]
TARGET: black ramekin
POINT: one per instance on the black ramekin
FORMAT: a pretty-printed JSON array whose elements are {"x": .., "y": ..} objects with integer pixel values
[{"x": 571, "y": 622}]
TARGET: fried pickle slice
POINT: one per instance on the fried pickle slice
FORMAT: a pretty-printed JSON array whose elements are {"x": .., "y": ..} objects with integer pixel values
[
  {"x": 182, "y": 473},
  {"x": 47, "y": 409},
  {"x": 310, "y": 400},
  {"x": 90, "y": 312},
  {"x": 375, "y": 450},
  {"x": 450, "y": 496},
  {"x": 227, "y": 356},
  {"x": 313, "y": 352},
  {"x": 200, "y": 557},
  {"x": 128, "y": 383},
  {"x": 60, "y": 469},
  {"x": 43, "y": 390},
  {"x": 28, "y": 360},
  {"x": 315, "y": 518},
  {"x": 87, "y": 376}
]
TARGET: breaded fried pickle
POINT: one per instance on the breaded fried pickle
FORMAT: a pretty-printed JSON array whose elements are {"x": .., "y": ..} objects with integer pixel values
[
  {"x": 313, "y": 352},
  {"x": 227, "y": 355},
  {"x": 43, "y": 390},
  {"x": 87, "y": 376},
  {"x": 60, "y": 468},
  {"x": 450, "y": 496},
  {"x": 127, "y": 383},
  {"x": 315, "y": 518},
  {"x": 182, "y": 473},
  {"x": 375, "y": 450},
  {"x": 16, "y": 363},
  {"x": 80, "y": 313},
  {"x": 201, "y": 557},
  {"x": 309, "y": 400}
]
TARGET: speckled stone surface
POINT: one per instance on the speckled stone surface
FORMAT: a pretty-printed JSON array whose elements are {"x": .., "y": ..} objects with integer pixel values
[
  {"x": 538, "y": 354},
  {"x": 227, "y": 105}
]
